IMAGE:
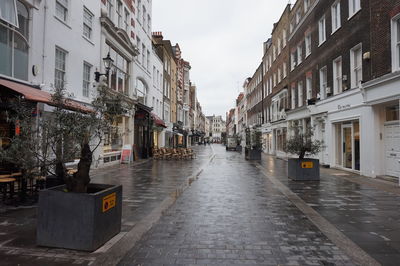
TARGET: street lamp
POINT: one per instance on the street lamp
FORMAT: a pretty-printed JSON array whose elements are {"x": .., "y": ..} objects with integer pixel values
[{"x": 107, "y": 64}]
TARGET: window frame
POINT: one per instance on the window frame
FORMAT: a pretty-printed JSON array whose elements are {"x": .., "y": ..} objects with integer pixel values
[
  {"x": 337, "y": 77},
  {"x": 353, "y": 10},
  {"x": 336, "y": 16},
  {"x": 300, "y": 99},
  {"x": 323, "y": 84},
  {"x": 65, "y": 7},
  {"x": 90, "y": 27},
  {"x": 395, "y": 43},
  {"x": 308, "y": 44},
  {"x": 62, "y": 71},
  {"x": 321, "y": 27},
  {"x": 86, "y": 82},
  {"x": 353, "y": 68},
  {"x": 309, "y": 87}
]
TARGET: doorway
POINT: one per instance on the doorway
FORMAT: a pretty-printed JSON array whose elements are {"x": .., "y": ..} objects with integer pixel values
[{"x": 349, "y": 138}]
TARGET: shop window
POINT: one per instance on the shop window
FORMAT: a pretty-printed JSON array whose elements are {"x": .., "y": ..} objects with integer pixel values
[{"x": 14, "y": 41}]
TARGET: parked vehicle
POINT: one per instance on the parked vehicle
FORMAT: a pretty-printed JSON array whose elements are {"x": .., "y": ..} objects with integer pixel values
[{"x": 231, "y": 143}]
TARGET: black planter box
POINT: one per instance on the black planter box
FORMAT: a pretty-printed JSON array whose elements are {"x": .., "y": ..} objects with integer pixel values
[
  {"x": 81, "y": 221},
  {"x": 252, "y": 154},
  {"x": 302, "y": 170}
]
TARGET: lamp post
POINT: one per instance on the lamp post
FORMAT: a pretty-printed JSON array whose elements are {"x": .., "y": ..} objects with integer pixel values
[{"x": 107, "y": 64}]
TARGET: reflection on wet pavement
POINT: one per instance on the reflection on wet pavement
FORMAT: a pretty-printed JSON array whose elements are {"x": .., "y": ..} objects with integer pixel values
[{"x": 234, "y": 215}]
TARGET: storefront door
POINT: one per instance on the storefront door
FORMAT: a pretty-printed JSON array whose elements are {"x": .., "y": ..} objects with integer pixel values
[
  {"x": 347, "y": 136},
  {"x": 392, "y": 149},
  {"x": 350, "y": 139}
]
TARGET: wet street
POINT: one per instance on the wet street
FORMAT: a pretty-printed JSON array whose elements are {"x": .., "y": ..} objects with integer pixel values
[
  {"x": 220, "y": 209},
  {"x": 233, "y": 215}
]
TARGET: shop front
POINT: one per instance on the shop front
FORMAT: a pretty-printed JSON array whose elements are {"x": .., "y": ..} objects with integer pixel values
[
  {"x": 158, "y": 128},
  {"x": 143, "y": 136}
]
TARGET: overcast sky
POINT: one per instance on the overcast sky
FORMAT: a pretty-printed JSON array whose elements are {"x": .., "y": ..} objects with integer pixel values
[{"x": 222, "y": 40}]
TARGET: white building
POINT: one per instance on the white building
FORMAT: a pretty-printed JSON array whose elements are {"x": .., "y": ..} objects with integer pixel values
[{"x": 217, "y": 127}]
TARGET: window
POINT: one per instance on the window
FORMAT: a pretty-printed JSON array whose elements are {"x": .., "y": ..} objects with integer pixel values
[
  {"x": 322, "y": 30},
  {"x": 308, "y": 44},
  {"x": 110, "y": 9},
  {"x": 284, "y": 70},
  {"x": 119, "y": 13},
  {"x": 284, "y": 38},
  {"x": 139, "y": 11},
  {"x": 354, "y": 6},
  {"x": 298, "y": 16},
  {"x": 119, "y": 75},
  {"x": 336, "y": 23},
  {"x": 62, "y": 9},
  {"x": 306, "y": 5},
  {"x": 323, "y": 82},
  {"x": 86, "y": 79},
  {"x": 396, "y": 44},
  {"x": 309, "y": 87},
  {"x": 279, "y": 46},
  {"x": 126, "y": 20},
  {"x": 141, "y": 91},
  {"x": 293, "y": 60},
  {"x": 8, "y": 12},
  {"x": 300, "y": 93},
  {"x": 337, "y": 76},
  {"x": 148, "y": 24},
  {"x": 273, "y": 52},
  {"x": 144, "y": 18},
  {"x": 299, "y": 54},
  {"x": 279, "y": 75},
  {"x": 60, "y": 68},
  {"x": 87, "y": 23},
  {"x": 148, "y": 60},
  {"x": 14, "y": 44},
  {"x": 274, "y": 80},
  {"x": 356, "y": 65},
  {"x": 143, "y": 55},
  {"x": 293, "y": 96}
]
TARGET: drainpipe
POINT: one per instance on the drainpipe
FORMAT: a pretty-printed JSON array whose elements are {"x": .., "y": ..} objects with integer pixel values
[{"x": 44, "y": 38}]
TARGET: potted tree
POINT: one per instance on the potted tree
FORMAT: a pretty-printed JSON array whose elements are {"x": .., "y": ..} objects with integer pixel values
[
  {"x": 253, "y": 144},
  {"x": 77, "y": 215},
  {"x": 302, "y": 145}
]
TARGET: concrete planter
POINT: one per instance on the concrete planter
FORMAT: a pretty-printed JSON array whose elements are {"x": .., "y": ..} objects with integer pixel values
[
  {"x": 81, "y": 221},
  {"x": 252, "y": 154},
  {"x": 302, "y": 170}
]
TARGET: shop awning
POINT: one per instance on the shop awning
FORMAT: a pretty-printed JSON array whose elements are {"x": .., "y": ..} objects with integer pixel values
[
  {"x": 158, "y": 121},
  {"x": 36, "y": 95}
]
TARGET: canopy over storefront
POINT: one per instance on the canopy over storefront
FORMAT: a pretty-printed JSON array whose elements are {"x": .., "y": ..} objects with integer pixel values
[
  {"x": 34, "y": 94},
  {"x": 158, "y": 121}
]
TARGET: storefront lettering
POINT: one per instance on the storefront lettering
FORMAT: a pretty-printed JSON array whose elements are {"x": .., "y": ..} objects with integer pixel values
[{"x": 346, "y": 106}]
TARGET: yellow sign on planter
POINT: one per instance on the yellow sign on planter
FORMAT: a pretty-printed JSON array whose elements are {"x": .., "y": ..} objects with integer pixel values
[
  {"x": 109, "y": 202},
  {"x": 307, "y": 165}
]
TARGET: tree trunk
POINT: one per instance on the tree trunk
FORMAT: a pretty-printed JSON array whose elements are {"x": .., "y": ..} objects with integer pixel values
[{"x": 79, "y": 181}]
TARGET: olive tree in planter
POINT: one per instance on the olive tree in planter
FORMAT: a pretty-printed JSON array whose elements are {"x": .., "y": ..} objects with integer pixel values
[
  {"x": 80, "y": 215},
  {"x": 302, "y": 144},
  {"x": 76, "y": 215},
  {"x": 253, "y": 147}
]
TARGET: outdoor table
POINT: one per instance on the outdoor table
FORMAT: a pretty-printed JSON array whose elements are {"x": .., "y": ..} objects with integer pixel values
[{"x": 4, "y": 181}]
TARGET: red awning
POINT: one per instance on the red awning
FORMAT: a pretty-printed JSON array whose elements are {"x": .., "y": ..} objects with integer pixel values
[
  {"x": 36, "y": 95},
  {"x": 158, "y": 121}
]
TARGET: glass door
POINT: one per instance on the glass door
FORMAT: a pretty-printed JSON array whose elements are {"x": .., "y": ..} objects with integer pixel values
[{"x": 347, "y": 151}]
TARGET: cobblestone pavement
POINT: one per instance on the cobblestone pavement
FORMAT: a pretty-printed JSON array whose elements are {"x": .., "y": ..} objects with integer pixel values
[
  {"x": 233, "y": 215},
  {"x": 145, "y": 186},
  {"x": 370, "y": 217}
]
